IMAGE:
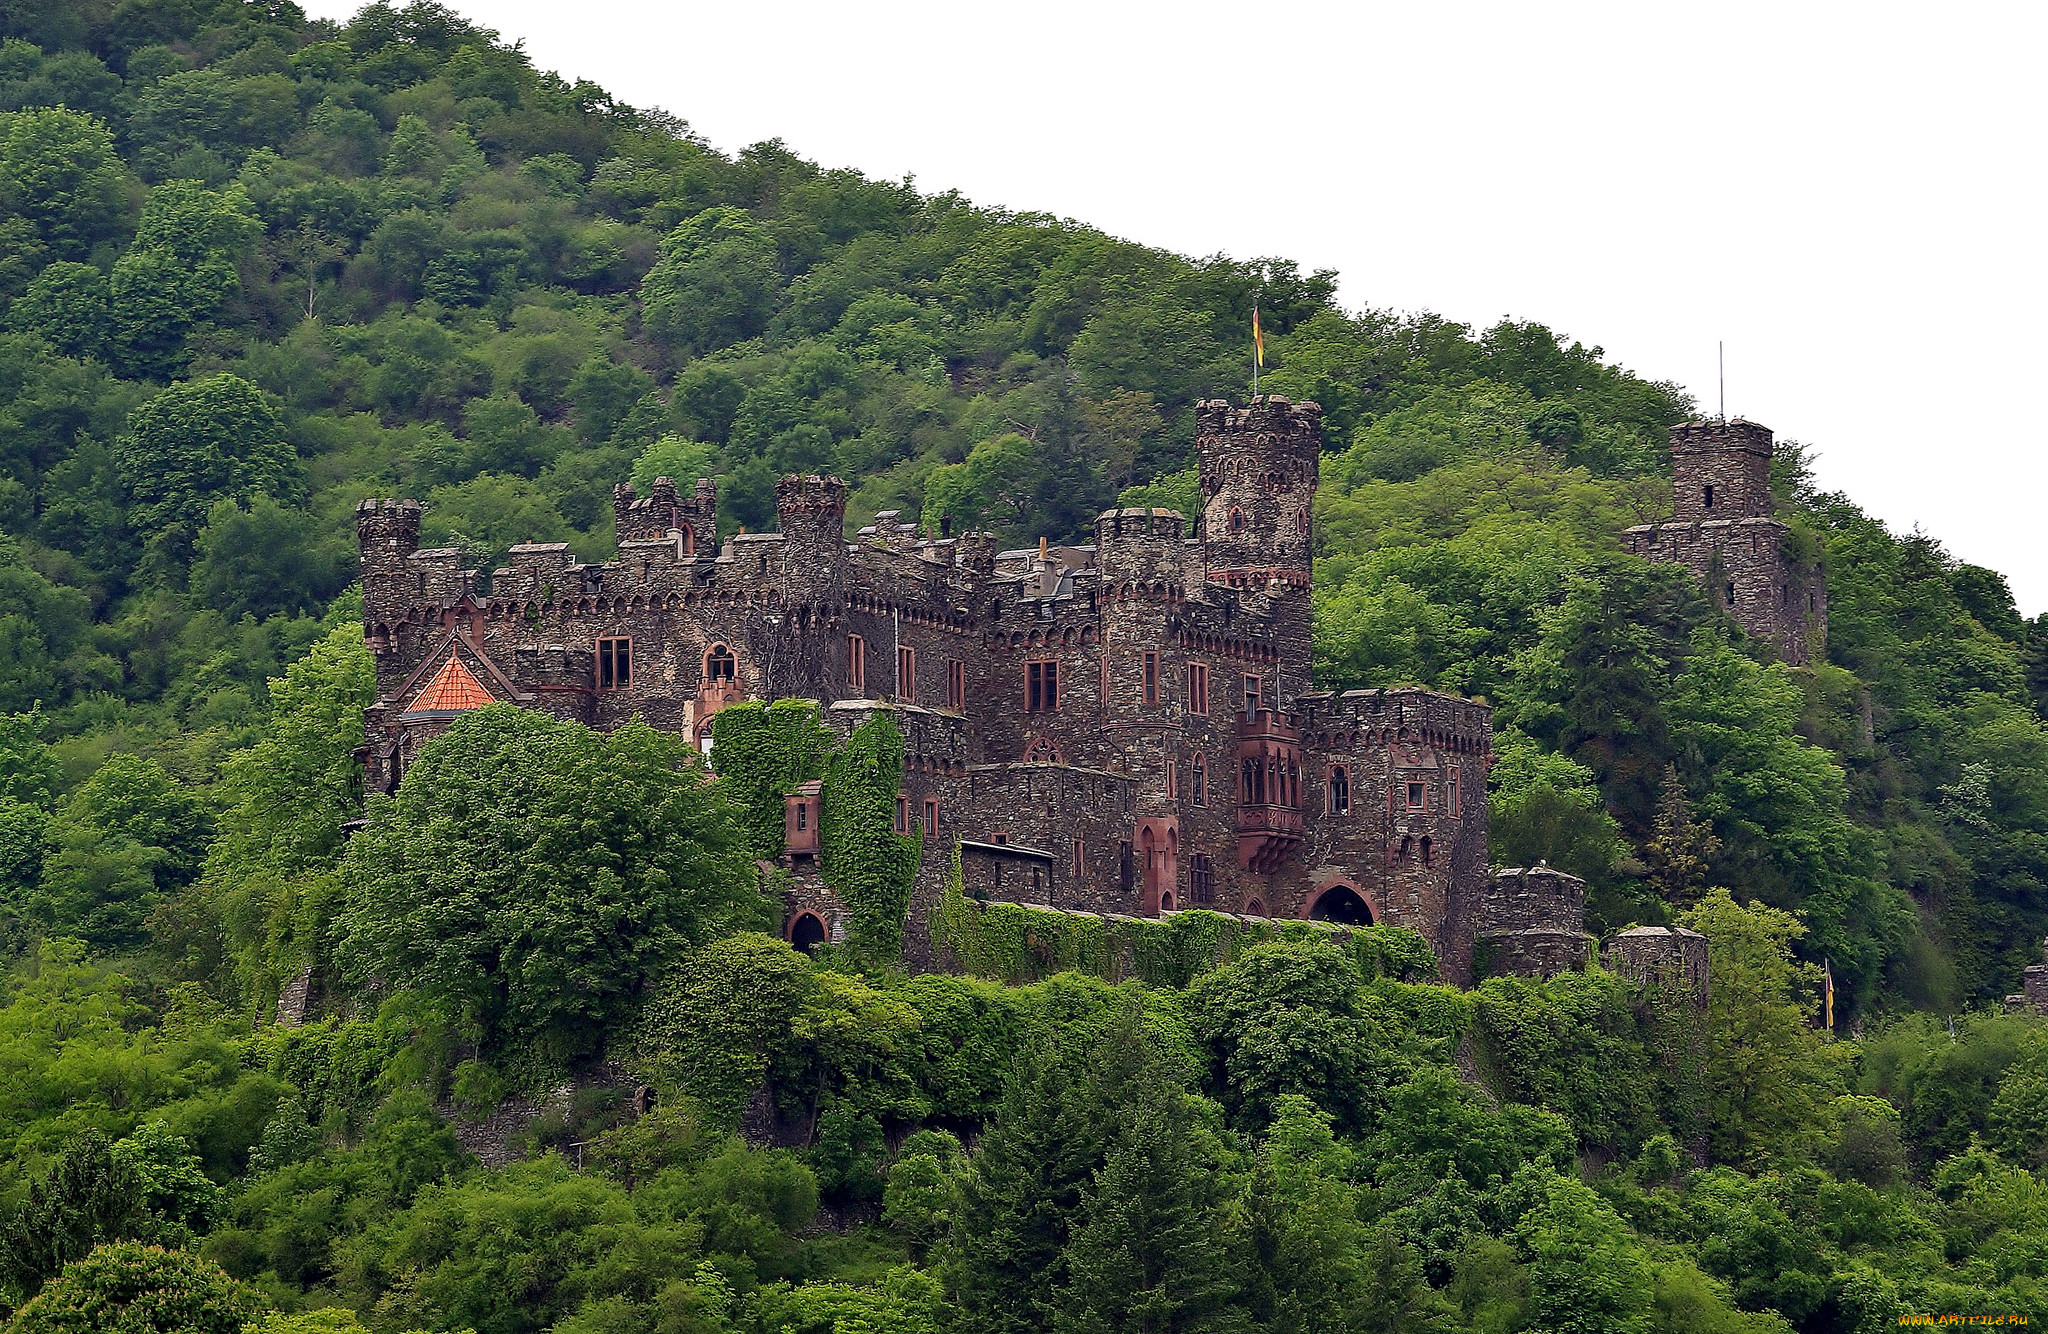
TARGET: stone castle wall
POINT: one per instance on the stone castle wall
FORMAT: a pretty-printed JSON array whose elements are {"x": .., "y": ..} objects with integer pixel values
[{"x": 1124, "y": 727}]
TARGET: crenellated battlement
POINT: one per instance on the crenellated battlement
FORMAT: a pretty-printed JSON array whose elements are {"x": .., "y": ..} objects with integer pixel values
[{"x": 1401, "y": 713}]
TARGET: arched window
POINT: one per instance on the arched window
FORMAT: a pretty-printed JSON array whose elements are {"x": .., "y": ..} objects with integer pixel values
[
  {"x": 1340, "y": 791},
  {"x": 1236, "y": 520},
  {"x": 720, "y": 664},
  {"x": 1301, "y": 520},
  {"x": 1425, "y": 850},
  {"x": 1256, "y": 908}
]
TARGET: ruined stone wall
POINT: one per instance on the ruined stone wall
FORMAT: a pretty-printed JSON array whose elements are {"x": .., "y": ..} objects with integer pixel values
[{"x": 1665, "y": 956}]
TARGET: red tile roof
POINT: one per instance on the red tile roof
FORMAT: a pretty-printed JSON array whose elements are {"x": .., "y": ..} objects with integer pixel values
[{"x": 453, "y": 689}]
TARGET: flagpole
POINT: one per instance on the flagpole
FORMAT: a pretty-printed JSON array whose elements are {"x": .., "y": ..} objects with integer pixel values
[{"x": 1255, "y": 347}]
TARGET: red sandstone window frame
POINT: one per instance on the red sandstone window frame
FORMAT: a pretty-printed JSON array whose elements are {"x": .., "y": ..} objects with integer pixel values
[
  {"x": 931, "y": 818},
  {"x": 1198, "y": 688},
  {"x": 1451, "y": 793},
  {"x": 1042, "y": 686},
  {"x": 856, "y": 665},
  {"x": 721, "y": 663},
  {"x": 1172, "y": 778},
  {"x": 1235, "y": 523},
  {"x": 1201, "y": 770},
  {"x": 1339, "y": 787},
  {"x": 902, "y": 813},
  {"x": 956, "y": 685},
  {"x": 614, "y": 662},
  {"x": 1151, "y": 677},
  {"x": 1416, "y": 795},
  {"x": 1254, "y": 694},
  {"x": 906, "y": 673}
]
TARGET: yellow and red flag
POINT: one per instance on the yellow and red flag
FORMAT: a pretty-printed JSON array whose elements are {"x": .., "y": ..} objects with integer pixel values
[{"x": 1258, "y": 340}]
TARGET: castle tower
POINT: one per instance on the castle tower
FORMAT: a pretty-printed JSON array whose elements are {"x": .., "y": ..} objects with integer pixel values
[
  {"x": 1258, "y": 473},
  {"x": 663, "y": 510},
  {"x": 1725, "y": 530},
  {"x": 388, "y": 532},
  {"x": 811, "y": 512},
  {"x": 1721, "y": 470}
]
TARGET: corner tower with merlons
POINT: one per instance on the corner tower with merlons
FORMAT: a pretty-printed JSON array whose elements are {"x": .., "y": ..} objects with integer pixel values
[{"x": 1125, "y": 726}]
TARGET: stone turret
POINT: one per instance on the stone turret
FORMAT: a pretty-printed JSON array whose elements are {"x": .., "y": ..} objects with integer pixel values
[
  {"x": 1667, "y": 956},
  {"x": 664, "y": 510},
  {"x": 1721, "y": 470},
  {"x": 811, "y": 512},
  {"x": 1532, "y": 924},
  {"x": 1258, "y": 474}
]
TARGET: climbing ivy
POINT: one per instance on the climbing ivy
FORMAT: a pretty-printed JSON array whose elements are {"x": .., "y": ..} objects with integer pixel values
[
  {"x": 760, "y": 752},
  {"x": 1018, "y": 944},
  {"x": 871, "y": 867}
]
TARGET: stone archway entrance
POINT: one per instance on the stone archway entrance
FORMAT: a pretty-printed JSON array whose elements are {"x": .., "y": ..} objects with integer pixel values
[
  {"x": 806, "y": 932},
  {"x": 1343, "y": 905}
]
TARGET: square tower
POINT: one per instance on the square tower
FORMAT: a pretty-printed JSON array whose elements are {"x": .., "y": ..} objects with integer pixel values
[
  {"x": 1721, "y": 470},
  {"x": 1724, "y": 528}
]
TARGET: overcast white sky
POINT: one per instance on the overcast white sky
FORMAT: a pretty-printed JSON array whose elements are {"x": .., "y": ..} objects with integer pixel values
[{"x": 1848, "y": 195}]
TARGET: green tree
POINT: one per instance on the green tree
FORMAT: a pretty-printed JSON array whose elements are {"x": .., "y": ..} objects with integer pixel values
[
  {"x": 60, "y": 171},
  {"x": 1284, "y": 1019},
  {"x": 177, "y": 273},
  {"x": 1153, "y": 1247},
  {"x": 714, "y": 284},
  {"x": 199, "y": 442},
  {"x": 1681, "y": 849},
  {"x": 89, "y": 1196},
  {"x": 128, "y": 1287},
  {"x": 130, "y": 837},
  {"x": 264, "y": 559},
  {"x": 722, "y": 1012},
  {"x": 1587, "y": 1274},
  {"x": 66, "y": 304},
  {"x": 1767, "y": 1072},
  {"x": 1004, "y": 1260},
  {"x": 532, "y": 875}
]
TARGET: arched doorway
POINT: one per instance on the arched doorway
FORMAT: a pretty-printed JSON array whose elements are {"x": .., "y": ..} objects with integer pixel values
[
  {"x": 1343, "y": 905},
  {"x": 806, "y": 932}
]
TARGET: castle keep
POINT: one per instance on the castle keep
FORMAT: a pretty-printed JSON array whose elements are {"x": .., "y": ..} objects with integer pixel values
[
  {"x": 1724, "y": 528},
  {"x": 1122, "y": 727}
]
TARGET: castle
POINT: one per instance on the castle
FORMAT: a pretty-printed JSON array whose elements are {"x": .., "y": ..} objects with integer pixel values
[{"x": 1127, "y": 727}]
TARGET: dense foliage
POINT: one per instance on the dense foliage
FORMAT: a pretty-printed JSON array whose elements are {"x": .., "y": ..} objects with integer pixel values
[{"x": 254, "y": 268}]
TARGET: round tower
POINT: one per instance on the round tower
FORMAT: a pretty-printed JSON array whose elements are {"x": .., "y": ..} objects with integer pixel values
[
  {"x": 1258, "y": 472},
  {"x": 1258, "y": 468}
]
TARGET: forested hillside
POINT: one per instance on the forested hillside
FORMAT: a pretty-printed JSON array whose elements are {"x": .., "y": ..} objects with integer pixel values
[{"x": 255, "y": 268}]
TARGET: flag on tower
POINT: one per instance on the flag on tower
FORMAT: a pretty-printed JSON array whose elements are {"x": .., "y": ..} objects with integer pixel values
[{"x": 1258, "y": 340}]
